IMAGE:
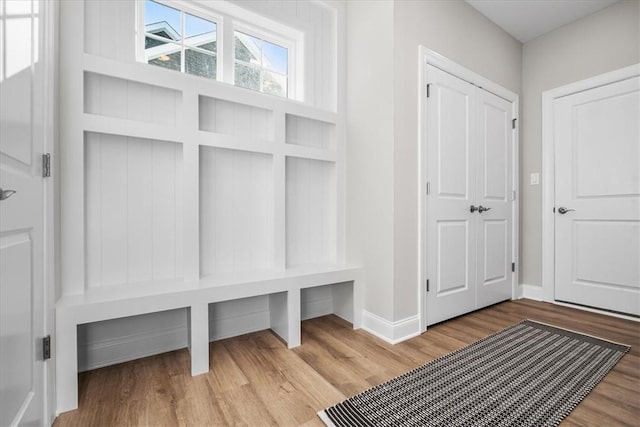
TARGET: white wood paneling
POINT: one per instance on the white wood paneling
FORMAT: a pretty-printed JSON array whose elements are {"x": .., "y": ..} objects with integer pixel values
[
  {"x": 133, "y": 209},
  {"x": 125, "y": 99},
  {"x": 310, "y": 212},
  {"x": 236, "y": 211},
  {"x": 309, "y": 132},
  {"x": 110, "y": 29},
  {"x": 232, "y": 118}
]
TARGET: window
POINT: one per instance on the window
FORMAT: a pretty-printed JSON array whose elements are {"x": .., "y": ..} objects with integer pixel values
[
  {"x": 260, "y": 65},
  {"x": 189, "y": 37},
  {"x": 179, "y": 41}
]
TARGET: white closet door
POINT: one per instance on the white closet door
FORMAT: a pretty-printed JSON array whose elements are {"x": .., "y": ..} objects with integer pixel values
[
  {"x": 597, "y": 154},
  {"x": 494, "y": 148},
  {"x": 451, "y": 227}
]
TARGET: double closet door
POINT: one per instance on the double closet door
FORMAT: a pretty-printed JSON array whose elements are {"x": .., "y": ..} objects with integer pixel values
[{"x": 470, "y": 203}]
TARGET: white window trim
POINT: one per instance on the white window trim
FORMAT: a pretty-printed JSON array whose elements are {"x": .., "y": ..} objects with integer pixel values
[{"x": 229, "y": 18}]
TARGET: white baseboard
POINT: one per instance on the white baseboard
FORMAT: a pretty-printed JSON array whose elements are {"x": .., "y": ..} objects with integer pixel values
[
  {"x": 391, "y": 332},
  {"x": 532, "y": 292}
]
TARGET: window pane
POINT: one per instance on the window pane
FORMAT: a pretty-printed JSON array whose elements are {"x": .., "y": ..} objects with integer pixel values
[
  {"x": 248, "y": 48},
  {"x": 247, "y": 76},
  {"x": 275, "y": 84},
  {"x": 275, "y": 57},
  {"x": 166, "y": 55},
  {"x": 200, "y": 32},
  {"x": 199, "y": 63},
  {"x": 162, "y": 21}
]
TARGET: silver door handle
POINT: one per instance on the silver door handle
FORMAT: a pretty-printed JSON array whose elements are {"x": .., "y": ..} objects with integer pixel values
[
  {"x": 483, "y": 209},
  {"x": 5, "y": 194},
  {"x": 472, "y": 209},
  {"x": 562, "y": 210}
]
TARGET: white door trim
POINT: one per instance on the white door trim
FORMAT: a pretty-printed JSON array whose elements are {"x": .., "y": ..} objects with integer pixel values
[
  {"x": 548, "y": 168},
  {"x": 429, "y": 57},
  {"x": 49, "y": 11}
]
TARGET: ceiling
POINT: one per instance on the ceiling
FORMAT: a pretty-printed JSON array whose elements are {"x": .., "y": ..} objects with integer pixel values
[{"x": 528, "y": 19}]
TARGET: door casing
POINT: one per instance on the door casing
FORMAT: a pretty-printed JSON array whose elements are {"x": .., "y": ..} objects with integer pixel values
[
  {"x": 547, "y": 291},
  {"x": 429, "y": 57}
]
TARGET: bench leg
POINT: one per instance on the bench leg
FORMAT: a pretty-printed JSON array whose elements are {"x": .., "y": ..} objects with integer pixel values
[
  {"x": 198, "y": 317},
  {"x": 293, "y": 318},
  {"x": 358, "y": 300},
  {"x": 66, "y": 358}
]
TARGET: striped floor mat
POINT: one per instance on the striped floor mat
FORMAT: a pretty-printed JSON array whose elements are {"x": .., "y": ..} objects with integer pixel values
[{"x": 529, "y": 374}]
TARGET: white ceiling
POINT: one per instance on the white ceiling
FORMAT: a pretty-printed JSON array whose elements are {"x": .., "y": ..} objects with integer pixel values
[{"x": 528, "y": 19}]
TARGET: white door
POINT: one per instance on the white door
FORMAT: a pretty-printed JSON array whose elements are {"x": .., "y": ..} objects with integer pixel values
[
  {"x": 469, "y": 208},
  {"x": 494, "y": 191},
  {"x": 21, "y": 217},
  {"x": 451, "y": 227},
  {"x": 597, "y": 197}
]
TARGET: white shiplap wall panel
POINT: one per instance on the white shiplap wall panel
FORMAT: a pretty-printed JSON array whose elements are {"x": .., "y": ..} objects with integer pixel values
[
  {"x": 231, "y": 118},
  {"x": 110, "y": 29},
  {"x": 309, "y": 132},
  {"x": 310, "y": 212},
  {"x": 113, "y": 97},
  {"x": 236, "y": 211},
  {"x": 133, "y": 209}
]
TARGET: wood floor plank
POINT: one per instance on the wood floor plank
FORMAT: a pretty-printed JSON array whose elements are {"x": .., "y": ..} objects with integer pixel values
[{"x": 256, "y": 381}]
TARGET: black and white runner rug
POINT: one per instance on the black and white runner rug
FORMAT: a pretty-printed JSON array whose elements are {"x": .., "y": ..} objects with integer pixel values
[{"x": 529, "y": 374}]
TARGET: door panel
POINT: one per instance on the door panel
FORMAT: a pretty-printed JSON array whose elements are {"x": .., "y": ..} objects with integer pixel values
[
  {"x": 21, "y": 217},
  {"x": 453, "y": 249},
  {"x": 451, "y": 228},
  {"x": 597, "y": 154},
  {"x": 494, "y": 188}
]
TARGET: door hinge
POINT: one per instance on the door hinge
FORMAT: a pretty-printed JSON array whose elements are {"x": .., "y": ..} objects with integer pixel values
[
  {"x": 46, "y": 347},
  {"x": 513, "y": 196},
  {"x": 428, "y": 90},
  {"x": 428, "y": 188},
  {"x": 427, "y": 285},
  {"x": 513, "y": 123},
  {"x": 46, "y": 165},
  {"x": 513, "y": 267}
]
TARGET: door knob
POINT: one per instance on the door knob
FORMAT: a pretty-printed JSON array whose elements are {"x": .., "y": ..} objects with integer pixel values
[
  {"x": 5, "y": 194},
  {"x": 562, "y": 210},
  {"x": 472, "y": 209},
  {"x": 483, "y": 209}
]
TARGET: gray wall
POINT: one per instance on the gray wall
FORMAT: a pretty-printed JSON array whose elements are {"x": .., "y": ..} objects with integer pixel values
[
  {"x": 382, "y": 128},
  {"x": 604, "y": 41},
  {"x": 459, "y": 32},
  {"x": 369, "y": 165}
]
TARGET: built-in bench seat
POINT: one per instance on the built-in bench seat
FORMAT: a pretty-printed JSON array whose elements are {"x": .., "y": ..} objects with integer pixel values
[{"x": 112, "y": 302}]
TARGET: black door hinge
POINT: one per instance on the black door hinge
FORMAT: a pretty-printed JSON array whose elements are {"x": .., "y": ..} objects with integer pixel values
[
  {"x": 46, "y": 347},
  {"x": 513, "y": 267},
  {"x": 46, "y": 165},
  {"x": 513, "y": 123},
  {"x": 427, "y": 285},
  {"x": 428, "y": 90}
]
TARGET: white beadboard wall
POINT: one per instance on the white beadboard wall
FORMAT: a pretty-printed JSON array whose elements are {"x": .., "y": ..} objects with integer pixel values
[
  {"x": 310, "y": 212},
  {"x": 133, "y": 186},
  {"x": 123, "y": 99},
  {"x": 133, "y": 209},
  {"x": 231, "y": 118},
  {"x": 236, "y": 205}
]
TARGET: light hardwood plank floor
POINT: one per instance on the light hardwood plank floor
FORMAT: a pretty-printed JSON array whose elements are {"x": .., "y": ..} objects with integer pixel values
[{"x": 256, "y": 381}]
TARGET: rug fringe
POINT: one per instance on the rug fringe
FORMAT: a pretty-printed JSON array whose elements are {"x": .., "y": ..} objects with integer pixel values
[{"x": 325, "y": 419}]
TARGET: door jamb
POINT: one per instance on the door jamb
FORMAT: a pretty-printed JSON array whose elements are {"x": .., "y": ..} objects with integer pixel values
[
  {"x": 429, "y": 57},
  {"x": 548, "y": 166}
]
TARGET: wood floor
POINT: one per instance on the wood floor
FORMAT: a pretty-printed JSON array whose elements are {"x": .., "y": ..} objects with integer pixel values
[{"x": 256, "y": 381}]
